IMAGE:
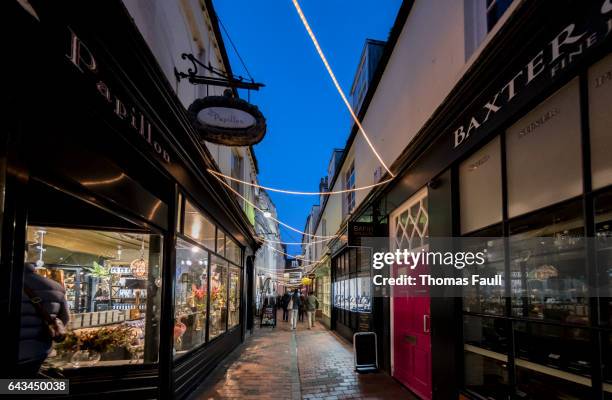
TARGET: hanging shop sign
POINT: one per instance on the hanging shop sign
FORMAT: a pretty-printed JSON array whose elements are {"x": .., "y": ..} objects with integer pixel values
[
  {"x": 569, "y": 45},
  {"x": 227, "y": 120}
]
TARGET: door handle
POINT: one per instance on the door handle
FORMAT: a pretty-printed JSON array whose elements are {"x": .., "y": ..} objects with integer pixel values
[{"x": 425, "y": 327}]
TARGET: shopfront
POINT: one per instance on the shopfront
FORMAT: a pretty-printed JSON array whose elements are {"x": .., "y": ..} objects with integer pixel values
[
  {"x": 104, "y": 194},
  {"x": 527, "y": 165},
  {"x": 351, "y": 282},
  {"x": 322, "y": 284}
]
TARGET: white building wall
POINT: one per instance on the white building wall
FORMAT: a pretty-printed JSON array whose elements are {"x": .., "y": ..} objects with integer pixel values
[
  {"x": 174, "y": 27},
  {"x": 418, "y": 76},
  {"x": 423, "y": 68}
]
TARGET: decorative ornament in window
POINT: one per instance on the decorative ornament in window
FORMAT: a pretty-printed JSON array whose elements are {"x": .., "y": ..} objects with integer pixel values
[{"x": 139, "y": 266}]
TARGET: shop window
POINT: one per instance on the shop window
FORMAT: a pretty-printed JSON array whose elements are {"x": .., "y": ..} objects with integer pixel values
[
  {"x": 191, "y": 297},
  {"x": 486, "y": 299},
  {"x": 218, "y": 297},
  {"x": 480, "y": 188},
  {"x": 548, "y": 271},
  {"x": 233, "y": 251},
  {"x": 112, "y": 289},
  {"x": 543, "y": 153},
  {"x": 486, "y": 376},
  {"x": 557, "y": 347},
  {"x": 198, "y": 227},
  {"x": 607, "y": 363},
  {"x": 220, "y": 242},
  {"x": 603, "y": 247},
  {"x": 363, "y": 293},
  {"x": 234, "y": 296},
  {"x": 533, "y": 384},
  {"x": 486, "y": 333},
  {"x": 600, "y": 121}
]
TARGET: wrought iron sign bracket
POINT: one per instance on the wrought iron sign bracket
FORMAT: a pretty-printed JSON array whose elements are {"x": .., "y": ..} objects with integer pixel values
[{"x": 221, "y": 78}]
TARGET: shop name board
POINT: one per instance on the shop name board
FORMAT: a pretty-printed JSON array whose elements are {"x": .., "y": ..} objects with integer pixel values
[
  {"x": 84, "y": 61},
  {"x": 227, "y": 120},
  {"x": 568, "y": 46}
]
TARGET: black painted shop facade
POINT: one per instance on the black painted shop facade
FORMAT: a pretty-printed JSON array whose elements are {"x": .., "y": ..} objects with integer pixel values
[
  {"x": 101, "y": 169},
  {"x": 519, "y": 149}
]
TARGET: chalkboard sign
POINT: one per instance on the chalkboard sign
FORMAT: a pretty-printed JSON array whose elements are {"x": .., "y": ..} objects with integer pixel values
[
  {"x": 268, "y": 316},
  {"x": 366, "y": 351}
]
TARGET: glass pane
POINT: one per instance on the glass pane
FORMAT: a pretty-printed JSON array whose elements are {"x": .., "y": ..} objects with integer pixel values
[
  {"x": 353, "y": 294},
  {"x": 218, "y": 297},
  {"x": 600, "y": 121},
  {"x": 106, "y": 289},
  {"x": 486, "y": 333},
  {"x": 486, "y": 376},
  {"x": 233, "y": 252},
  {"x": 486, "y": 299},
  {"x": 543, "y": 153},
  {"x": 363, "y": 294},
  {"x": 220, "y": 242},
  {"x": 234, "y": 296},
  {"x": 548, "y": 267},
  {"x": 198, "y": 227},
  {"x": 603, "y": 232},
  {"x": 607, "y": 361},
  {"x": 480, "y": 188},
  {"x": 533, "y": 384},
  {"x": 190, "y": 298},
  {"x": 558, "y": 347}
]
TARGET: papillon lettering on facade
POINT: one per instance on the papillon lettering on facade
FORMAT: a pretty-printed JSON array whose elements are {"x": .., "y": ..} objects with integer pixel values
[
  {"x": 569, "y": 45},
  {"x": 83, "y": 59}
]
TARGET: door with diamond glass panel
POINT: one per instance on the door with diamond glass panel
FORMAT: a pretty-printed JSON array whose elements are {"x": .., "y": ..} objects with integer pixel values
[{"x": 411, "y": 342}]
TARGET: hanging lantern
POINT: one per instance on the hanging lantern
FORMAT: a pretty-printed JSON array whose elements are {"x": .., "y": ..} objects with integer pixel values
[
  {"x": 139, "y": 266},
  {"x": 306, "y": 281}
]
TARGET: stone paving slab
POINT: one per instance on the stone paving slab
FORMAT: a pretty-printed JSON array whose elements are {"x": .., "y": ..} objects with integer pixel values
[{"x": 278, "y": 363}]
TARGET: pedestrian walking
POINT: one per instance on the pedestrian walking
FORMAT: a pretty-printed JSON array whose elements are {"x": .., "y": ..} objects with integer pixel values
[
  {"x": 312, "y": 303},
  {"x": 294, "y": 307},
  {"x": 284, "y": 303},
  {"x": 302, "y": 307}
]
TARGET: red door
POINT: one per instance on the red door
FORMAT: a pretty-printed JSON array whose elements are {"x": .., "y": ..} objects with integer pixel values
[
  {"x": 411, "y": 358},
  {"x": 411, "y": 340}
]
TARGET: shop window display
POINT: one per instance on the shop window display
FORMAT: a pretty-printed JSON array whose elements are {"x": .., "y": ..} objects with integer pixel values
[
  {"x": 191, "y": 297},
  {"x": 112, "y": 282},
  {"x": 557, "y": 347},
  {"x": 603, "y": 247},
  {"x": 218, "y": 297},
  {"x": 234, "y": 297},
  {"x": 547, "y": 253},
  {"x": 486, "y": 299}
]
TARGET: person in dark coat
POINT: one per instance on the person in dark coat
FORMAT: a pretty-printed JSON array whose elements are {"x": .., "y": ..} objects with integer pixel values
[
  {"x": 295, "y": 308},
  {"x": 284, "y": 304},
  {"x": 34, "y": 338},
  {"x": 302, "y": 307}
]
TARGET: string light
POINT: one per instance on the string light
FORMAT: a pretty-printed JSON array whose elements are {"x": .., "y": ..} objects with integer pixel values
[
  {"x": 288, "y": 255},
  {"x": 297, "y": 243},
  {"x": 263, "y": 211},
  {"x": 337, "y": 85},
  {"x": 298, "y": 192}
]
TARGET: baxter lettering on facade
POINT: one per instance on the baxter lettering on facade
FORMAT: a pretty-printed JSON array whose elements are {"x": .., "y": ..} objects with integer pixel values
[
  {"x": 82, "y": 58},
  {"x": 562, "y": 51}
]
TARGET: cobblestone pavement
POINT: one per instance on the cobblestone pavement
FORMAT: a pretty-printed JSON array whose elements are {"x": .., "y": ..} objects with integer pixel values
[{"x": 277, "y": 363}]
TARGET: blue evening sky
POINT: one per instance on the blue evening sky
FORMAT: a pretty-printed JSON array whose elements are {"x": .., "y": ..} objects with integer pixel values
[{"x": 305, "y": 115}]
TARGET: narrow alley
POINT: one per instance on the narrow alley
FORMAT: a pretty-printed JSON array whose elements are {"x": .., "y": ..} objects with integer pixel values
[{"x": 303, "y": 364}]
